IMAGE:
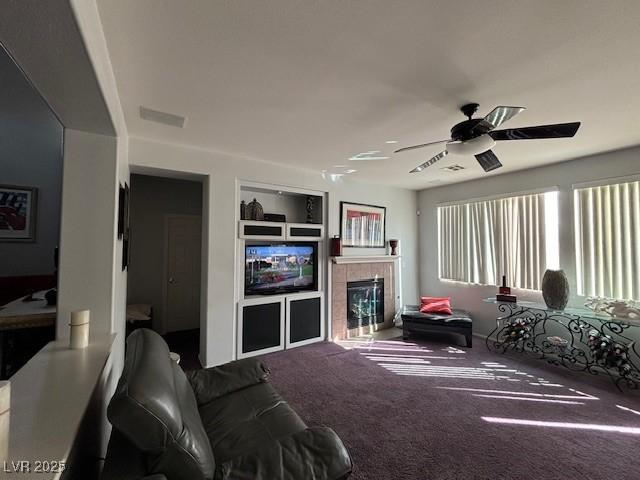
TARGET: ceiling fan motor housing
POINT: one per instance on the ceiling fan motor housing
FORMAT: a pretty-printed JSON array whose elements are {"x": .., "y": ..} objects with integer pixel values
[{"x": 463, "y": 130}]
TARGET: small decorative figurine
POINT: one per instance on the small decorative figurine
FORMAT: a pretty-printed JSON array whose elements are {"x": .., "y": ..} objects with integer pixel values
[
  {"x": 243, "y": 210},
  {"x": 310, "y": 209}
]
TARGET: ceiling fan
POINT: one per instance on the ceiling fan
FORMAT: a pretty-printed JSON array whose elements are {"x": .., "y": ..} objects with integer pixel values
[{"x": 477, "y": 136}]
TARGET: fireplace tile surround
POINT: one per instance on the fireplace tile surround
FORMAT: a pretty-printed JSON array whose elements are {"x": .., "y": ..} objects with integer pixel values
[{"x": 341, "y": 273}]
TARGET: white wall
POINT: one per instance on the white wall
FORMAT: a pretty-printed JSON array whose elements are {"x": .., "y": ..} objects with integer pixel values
[
  {"x": 563, "y": 175},
  {"x": 30, "y": 156},
  {"x": 221, "y": 209},
  {"x": 88, "y": 230},
  {"x": 151, "y": 199}
]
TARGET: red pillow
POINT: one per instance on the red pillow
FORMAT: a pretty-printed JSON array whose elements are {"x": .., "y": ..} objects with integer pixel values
[
  {"x": 442, "y": 306},
  {"x": 427, "y": 300}
]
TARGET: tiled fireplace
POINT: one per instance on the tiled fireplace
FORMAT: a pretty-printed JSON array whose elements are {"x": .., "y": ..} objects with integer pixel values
[{"x": 362, "y": 297}]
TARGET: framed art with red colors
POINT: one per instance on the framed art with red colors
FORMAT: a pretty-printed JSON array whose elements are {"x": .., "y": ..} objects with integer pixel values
[
  {"x": 18, "y": 213},
  {"x": 362, "y": 225}
]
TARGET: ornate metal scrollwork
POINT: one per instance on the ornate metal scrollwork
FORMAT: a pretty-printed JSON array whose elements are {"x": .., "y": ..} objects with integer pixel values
[{"x": 571, "y": 340}]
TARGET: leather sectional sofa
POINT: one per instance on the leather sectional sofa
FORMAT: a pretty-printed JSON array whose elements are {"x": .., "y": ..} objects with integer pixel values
[{"x": 219, "y": 423}]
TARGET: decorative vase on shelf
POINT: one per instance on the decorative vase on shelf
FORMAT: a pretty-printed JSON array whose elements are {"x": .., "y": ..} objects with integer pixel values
[
  {"x": 555, "y": 289},
  {"x": 254, "y": 211},
  {"x": 336, "y": 246},
  {"x": 393, "y": 245}
]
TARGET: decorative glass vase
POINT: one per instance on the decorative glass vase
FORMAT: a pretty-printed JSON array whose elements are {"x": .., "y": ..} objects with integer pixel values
[{"x": 555, "y": 289}]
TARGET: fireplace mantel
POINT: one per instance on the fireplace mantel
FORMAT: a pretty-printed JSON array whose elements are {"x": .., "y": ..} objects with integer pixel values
[{"x": 365, "y": 259}]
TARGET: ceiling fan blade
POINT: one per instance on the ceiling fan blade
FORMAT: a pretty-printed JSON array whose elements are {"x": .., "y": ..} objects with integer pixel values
[
  {"x": 488, "y": 160},
  {"x": 413, "y": 147},
  {"x": 431, "y": 161},
  {"x": 495, "y": 118},
  {"x": 560, "y": 130}
]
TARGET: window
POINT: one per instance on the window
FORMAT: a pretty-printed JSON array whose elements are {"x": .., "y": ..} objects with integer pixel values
[
  {"x": 607, "y": 226},
  {"x": 515, "y": 236}
]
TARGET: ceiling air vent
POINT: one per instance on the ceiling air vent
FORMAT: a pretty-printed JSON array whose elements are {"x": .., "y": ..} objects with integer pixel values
[
  {"x": 162, "y": 117},
  {"x": 453, "y": 168}
]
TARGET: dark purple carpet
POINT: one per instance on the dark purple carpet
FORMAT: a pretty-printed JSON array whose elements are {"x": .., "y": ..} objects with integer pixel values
[{"x": 424, "y": 410}]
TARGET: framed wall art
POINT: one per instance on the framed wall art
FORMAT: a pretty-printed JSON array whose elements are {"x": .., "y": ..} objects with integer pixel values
[
  {"x": 362, "y": 225},
  {"x": 18, "y": 213}
]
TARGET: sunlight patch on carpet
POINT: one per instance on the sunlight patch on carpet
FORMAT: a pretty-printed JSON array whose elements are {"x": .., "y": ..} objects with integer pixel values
[{"x": 577, "y": 426}]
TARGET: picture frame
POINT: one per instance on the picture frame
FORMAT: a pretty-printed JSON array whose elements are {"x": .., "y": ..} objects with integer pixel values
[
  {"x": 362, "y": 225},
  {"x": 122, "y": 205},
  {"x": 123, "y": 217},
  {"x": 18, "y": 213}
]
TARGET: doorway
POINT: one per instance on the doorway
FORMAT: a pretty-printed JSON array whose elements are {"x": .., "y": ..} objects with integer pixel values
[
  {"x": 164, "y": 280},
  {"x": 182, "y": 272}
]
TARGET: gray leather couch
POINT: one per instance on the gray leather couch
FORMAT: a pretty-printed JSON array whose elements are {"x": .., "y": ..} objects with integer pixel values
[{"x": 219, "y": 423}]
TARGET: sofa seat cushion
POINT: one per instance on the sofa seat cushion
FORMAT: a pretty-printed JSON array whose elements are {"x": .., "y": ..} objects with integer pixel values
[
  {"x": 457, "y": 318},
  {"x": 247, "y": 420}
]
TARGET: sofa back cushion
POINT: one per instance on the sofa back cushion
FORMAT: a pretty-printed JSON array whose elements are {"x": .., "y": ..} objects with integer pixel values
[{"x": 155, "y": 408}]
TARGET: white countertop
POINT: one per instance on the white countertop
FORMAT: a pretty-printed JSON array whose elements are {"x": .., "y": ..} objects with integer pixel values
[{"x": 49, "y": 396}]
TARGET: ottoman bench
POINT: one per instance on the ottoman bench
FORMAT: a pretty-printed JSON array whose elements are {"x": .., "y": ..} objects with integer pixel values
[{"x": 414, "y": 321}]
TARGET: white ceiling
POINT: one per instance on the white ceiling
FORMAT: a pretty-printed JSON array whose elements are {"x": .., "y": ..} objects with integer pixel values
[
  {"x": 44, "y": 40},
  {"x": 312, "y": 83}
]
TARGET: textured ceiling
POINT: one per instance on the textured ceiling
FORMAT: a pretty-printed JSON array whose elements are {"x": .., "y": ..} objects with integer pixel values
[
  {"x": 312, "y": 83},
  {"x": 44, "y": 40}
]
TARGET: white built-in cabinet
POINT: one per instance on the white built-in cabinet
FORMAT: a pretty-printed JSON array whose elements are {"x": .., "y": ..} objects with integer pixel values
[{"x": 269, "y": 323}]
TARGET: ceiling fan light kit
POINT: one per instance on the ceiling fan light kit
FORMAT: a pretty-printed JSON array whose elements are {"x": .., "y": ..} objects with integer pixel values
[
  {"x": 473, "y": 146},
  {"x": 477, "y": 136}
]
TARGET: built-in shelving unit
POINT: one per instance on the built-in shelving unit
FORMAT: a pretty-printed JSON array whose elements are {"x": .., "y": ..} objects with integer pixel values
[{"x": 268, "y": 323}]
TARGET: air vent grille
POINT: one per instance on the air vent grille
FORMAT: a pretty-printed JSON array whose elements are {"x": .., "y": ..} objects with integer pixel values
[
  {"x": 162, "y": 117},
  {"x": 453, "y": 168}
]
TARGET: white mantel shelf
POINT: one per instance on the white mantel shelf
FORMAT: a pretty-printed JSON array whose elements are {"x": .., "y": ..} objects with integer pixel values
[{"x": 365, "y": 259}]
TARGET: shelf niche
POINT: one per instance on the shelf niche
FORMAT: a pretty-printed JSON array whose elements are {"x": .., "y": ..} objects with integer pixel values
[{"x": 291, "y": 204}]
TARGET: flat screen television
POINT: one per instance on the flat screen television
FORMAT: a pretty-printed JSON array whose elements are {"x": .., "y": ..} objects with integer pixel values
[{"x": 286, "y": 268}]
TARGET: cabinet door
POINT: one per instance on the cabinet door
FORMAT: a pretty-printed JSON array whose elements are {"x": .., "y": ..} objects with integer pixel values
[
  {"x": 260, "y": 327},
  {"x": 305, "y": 319},
  {"x": 304, "y": 231},
  {"x": 253, "y": 230}
]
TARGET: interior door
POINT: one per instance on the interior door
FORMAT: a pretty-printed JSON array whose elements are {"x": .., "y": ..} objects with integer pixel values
[{"x": 182, "y": 277}]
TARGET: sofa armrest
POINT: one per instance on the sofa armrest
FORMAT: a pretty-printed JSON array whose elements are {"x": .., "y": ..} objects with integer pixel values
[
  {"x": 211, "y": 383},
  {"x": 316, "y": 453}
]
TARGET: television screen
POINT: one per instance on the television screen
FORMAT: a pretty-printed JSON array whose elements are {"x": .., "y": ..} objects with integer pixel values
[{"x": 273, "y": 269}]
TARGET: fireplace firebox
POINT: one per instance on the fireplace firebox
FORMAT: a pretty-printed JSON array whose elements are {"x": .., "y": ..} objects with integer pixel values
[{"x": 365, "y": 303}]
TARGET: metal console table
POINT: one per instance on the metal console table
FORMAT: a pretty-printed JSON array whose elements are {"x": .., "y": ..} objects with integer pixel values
[{"x": 578, "y": 339}]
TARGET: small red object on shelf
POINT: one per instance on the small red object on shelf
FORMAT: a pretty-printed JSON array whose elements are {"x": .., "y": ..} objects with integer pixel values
[
  {"x": 336, "y": 246},
  {"x": 504, "y": 289}
]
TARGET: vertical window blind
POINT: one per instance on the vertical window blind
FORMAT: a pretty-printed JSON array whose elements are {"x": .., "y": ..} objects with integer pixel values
[
  {"x": 515, "y": 236},
  {"x": 607, "y": 227}
]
